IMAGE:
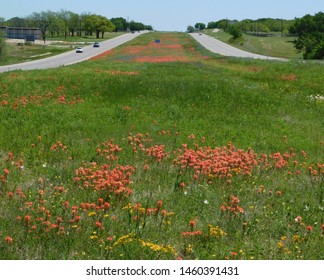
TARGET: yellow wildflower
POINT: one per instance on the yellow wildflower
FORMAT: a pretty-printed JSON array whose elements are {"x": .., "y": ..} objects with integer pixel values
[
  {"x": 156, "y": 247},
  {"x": 128, "y": 207},
  {"x": 216, "y": 232},
  {"x": 280, "y": 245},
  {"x": 297, "y": 239},
  {"x": 124, "y": 239}
]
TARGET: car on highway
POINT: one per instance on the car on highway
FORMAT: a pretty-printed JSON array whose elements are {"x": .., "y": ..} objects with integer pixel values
[
  {"x": 79, "y": 50},
  {"x": 96, "y": 45}
]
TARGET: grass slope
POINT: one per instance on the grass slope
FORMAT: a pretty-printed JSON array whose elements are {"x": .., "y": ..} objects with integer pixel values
[
  {"x": 269, "y": 46},
  {"x": 162, "y": 151}
]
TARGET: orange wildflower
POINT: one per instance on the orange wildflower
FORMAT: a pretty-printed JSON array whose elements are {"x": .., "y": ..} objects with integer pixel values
[
  {"x": 309, "y": 228},
  {"x": 27, "y": 219},
  {"x": 9, "y": 239},
  {"x": 100, "y": 201},
  {"x": 159, "y": 204},
  {"x": 298, "y": 219},
  {"x": 191, "y": 233},
  {"x": 99, "y": 225},
  {"x": 193, "y": 223}
]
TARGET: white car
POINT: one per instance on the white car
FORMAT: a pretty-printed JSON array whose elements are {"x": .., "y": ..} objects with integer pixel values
[{"x": 79, "y": 50}]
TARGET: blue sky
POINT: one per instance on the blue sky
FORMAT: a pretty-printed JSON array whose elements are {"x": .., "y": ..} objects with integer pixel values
[{"x": 169, "y": 15}]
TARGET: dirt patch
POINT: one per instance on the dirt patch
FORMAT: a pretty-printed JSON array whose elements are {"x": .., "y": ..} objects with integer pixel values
[
  {"x": 291, "y": 77},
  {"x": 255, "y": 68}
]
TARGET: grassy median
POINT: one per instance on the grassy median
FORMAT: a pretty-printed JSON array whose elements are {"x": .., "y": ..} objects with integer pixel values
[{"x": 162, "y": 151}]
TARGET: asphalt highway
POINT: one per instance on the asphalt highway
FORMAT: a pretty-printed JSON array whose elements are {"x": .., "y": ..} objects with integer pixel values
[
  {"x": 221, "y": 48},
  {"x": 71, "y": 57}
]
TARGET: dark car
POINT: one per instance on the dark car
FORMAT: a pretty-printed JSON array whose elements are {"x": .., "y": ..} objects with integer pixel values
[{"x": 96, "y": 45}]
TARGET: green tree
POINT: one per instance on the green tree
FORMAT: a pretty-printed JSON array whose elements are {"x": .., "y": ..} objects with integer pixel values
[
  {"x": 235, "y": 31},
  {"x": 148, "y": 27},
  {"x": 82, "y": 23},
  {"x": 223, "y": 24},
  {"x": 64, "y": 15},
  {"x": 3, "y": 47},
  {"x": 120, "y": 24},
  {"x": 99, "y": 24},
  {"x": 87, "y": 24},
  {"x": 200, "y": 26},
  {"x": 105, "y": 26},
  {"x": 136, "y": 26},
  {"x": 43, "y": 21},
  {"x": 190, "y": 29},
  {"x": 212, "y": 25},
  {"x": 310, "y": 32},
  {"x": 73, "y": 23},
  {"x": 16, "y": 22},
  {"x": 57, "y": 26}
]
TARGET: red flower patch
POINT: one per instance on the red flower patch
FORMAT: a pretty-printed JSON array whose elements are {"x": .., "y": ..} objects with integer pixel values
[{"x": 160, "y": 59}]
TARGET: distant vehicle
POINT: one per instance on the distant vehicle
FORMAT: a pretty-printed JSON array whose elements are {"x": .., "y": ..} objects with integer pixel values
[
  {"x": 200, "y": 34},
  {"x": 79, "y": 50},
  {"x": 96, "y": 45}
]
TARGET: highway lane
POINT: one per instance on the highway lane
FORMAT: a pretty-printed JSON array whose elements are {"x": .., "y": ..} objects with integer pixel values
[
  {"x": 71, "y": 57},
  {"x": 224, "y": 49}
]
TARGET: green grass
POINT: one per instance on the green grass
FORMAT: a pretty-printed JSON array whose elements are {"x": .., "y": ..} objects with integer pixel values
[
  {"x": 113, "y": 130},
  {"x": 270, "y": 46}
]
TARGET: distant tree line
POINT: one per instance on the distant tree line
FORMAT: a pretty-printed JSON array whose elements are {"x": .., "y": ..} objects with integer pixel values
[
  {"x": 68, "y": 23},
  {"x": 262, "y": 25}
]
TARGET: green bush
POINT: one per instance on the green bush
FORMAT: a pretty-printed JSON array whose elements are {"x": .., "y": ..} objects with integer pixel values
[
  {"x": 235, "y": 31},
  {"x": 3, "y": 49}
]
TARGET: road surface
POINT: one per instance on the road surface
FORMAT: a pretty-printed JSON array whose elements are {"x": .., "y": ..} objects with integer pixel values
[
  {"x": 221, "y": 48},
  {"x": 71, "y": 57}
]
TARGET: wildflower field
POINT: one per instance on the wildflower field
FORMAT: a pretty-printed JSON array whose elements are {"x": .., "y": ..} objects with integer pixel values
[{"x": 163, "y": 151}]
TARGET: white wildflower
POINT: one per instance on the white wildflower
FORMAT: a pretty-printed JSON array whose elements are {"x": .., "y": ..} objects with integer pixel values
[{"x": 316, "y": 98}]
